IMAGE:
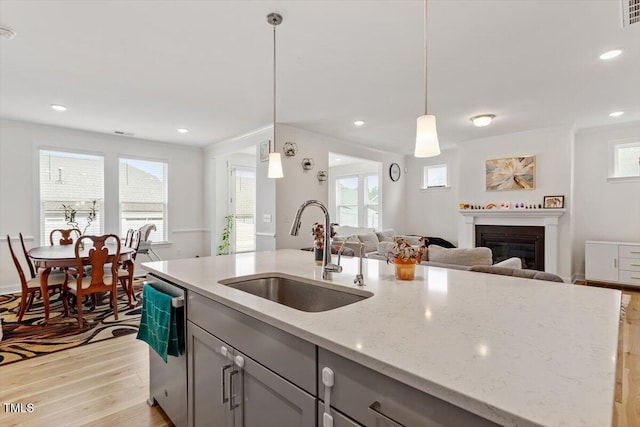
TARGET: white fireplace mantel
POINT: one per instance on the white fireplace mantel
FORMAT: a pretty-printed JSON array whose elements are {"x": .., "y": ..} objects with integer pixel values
[{"x": 547, "y": 218}]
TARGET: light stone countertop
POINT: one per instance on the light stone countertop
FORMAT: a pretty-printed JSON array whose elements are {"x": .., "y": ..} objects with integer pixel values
[{"x": 516, "y": 351}]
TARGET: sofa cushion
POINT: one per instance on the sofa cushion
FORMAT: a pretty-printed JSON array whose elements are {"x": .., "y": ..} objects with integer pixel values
[
  {"x": 513, "y": 262},
  {"x": 386, "y": 235},
  {"x": 515, "y": 272},
  {"x": 347, "y": 230},
  {"x": 445, "y": 265},
  {"x": 460, "y": 256},
  {"x": 370, "y": 241}
]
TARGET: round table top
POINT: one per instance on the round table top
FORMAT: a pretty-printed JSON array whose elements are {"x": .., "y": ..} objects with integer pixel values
[{"x": 61, "y": 252}]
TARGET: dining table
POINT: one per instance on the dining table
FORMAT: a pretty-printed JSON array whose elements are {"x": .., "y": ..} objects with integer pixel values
[{"x": 46, "y": 258}]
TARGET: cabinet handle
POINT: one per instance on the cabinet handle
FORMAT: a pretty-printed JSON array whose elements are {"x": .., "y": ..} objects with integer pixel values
[
  {"x": 232, "y": 405},
  {"x": 374, "y": 408},
  {"x": 223, "y": 370}
]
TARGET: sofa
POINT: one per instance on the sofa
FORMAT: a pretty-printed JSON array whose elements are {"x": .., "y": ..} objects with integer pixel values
[{"x": 377, "y": 245}]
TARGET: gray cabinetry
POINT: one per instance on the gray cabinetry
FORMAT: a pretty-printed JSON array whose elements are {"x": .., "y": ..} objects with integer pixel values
[
  {"x": 228, "y": 387},
  {"x": 373, "y": 399}
]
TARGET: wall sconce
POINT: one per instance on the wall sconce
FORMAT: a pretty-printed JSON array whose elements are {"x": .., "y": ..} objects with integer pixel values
[
  {"x": 322, "y": 176},
  {"x": 290, "y": 149},
  {"x": 307, "y": 163}
]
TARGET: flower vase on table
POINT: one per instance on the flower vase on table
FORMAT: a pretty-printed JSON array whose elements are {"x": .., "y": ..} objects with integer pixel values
[{"x": 405, "y": 257}]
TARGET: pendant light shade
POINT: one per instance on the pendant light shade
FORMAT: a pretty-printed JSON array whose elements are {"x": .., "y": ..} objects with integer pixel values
[
  {"x": 275, "y": 161},
  {"x": 427, "y": 144},
  {"x": 275, "y": 166},
  {"x": 426, "y": 137}
]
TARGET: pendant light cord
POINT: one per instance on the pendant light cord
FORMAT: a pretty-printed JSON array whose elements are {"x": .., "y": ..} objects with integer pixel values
[
  {"x": 274, "y": 87},
  {"x": 426, "y": 80}
]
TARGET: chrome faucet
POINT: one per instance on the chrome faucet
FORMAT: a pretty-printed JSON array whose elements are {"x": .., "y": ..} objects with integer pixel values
[
  {"x": 359, "y": 280},
  {"x": 327, "y": 267}
]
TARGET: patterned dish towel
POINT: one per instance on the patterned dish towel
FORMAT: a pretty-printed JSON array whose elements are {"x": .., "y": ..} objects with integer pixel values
[{"x": 158, "y": 325}]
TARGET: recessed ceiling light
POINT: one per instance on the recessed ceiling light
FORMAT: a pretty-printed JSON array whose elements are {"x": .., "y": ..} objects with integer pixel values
[
  {"x": 358, "y": 123},
  {"x": 616, "y": 113},
  {"x": 482, "y": 120},
  {"x": 338, "y": 160},
  {"x": 610, "y": 54},
  {"x": 183, "y": 130},
  {"x": 58, "y": 107},
  {"x": 7, "y": 33}
]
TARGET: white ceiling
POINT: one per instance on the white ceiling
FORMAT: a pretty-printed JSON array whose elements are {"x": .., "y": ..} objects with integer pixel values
[{"x": 149, "y": 67}]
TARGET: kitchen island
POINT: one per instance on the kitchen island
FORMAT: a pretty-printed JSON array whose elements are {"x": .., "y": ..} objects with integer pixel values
[{"x": 513, "y": 351}]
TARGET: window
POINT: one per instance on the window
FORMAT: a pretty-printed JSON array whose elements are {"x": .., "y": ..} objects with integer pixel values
[
  {"x": 435, "y": 176},
  {"x": 625, "y": 159},
  {"x": 75, "y": 180},
  {"x": 243, "y": 207},
  {"x": 372, "y": 200},
  {"x": 143, "y": 196},
  {"x": 347, "y": 200}
]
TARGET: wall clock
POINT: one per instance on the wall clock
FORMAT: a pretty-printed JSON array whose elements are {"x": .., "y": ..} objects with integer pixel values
[{"x": 394, "y": 172}]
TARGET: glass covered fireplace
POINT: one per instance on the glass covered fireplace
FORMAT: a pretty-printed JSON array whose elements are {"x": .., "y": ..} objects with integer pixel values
[{"x": 506, "y": 241}]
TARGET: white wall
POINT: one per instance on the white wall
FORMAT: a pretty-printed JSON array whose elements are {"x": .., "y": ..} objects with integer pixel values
[
  {"x": 603, "y": 210},
  {"x": 432, "y": 212},
  {"x": 19, "y": 199},
  {"x": 299, "y": 185}
]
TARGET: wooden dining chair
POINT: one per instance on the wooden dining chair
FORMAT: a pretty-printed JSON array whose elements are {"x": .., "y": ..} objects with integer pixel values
[
  {"x": 67, "y": 236},
  {"x": 32, "y": 270},
  {"x": 31, "y": 287},
  {"x": 103, "y": 276},
  {"x": 125, "y": 270}
]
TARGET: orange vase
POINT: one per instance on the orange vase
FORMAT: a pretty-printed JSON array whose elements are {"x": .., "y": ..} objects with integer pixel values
[{"x": 405, "y": 268}]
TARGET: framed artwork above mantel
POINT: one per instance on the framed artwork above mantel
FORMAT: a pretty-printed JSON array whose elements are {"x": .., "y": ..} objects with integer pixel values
[{"x": 511, "y": 173}]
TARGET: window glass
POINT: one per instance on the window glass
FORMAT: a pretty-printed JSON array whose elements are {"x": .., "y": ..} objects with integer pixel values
[
  {"x": 435, "y": 176},
  {"x": 143, "y": 196},
  {"x": 74, "y": 180},
  {"x": 372, "y": 200},
  {"x": 347, "y": 200},
  {"x": 627, "y": 159}
]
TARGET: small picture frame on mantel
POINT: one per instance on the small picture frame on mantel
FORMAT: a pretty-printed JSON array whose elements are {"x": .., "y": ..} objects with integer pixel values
[{"x": 553, "y": 202}]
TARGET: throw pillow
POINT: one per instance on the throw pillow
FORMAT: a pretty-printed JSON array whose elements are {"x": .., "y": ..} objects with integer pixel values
[
  {"x": 370, "y": 241},
  {"x": 459, "y": 256},
  {"x": 386, "y": 235},
  {"x": 513, "y": 262}
]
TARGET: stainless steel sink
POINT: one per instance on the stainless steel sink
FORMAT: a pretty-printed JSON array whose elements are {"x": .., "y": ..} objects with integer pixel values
[{"x": 297, "y": 294}]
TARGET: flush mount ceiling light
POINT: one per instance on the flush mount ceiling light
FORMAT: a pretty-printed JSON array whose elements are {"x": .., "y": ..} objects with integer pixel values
[
  {"x": 183, "y": 130},
  {"x": 426, "y": 133},
  {"x": 7, "y": 33},
  {"x": 482, "y": 120},
  {"x": 358, "y": 123},
  {"x": 275, "y": 162},
  {"x": 58, "y": 107},
  {"x": 616, "y": 114},
  {"x": 610, "y": 54}
]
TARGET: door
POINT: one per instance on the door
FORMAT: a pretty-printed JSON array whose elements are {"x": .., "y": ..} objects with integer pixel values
[
  {"x": 268, "y": 400},
  {"x": 242, "y": 205},
  {"x": 209, "y": 371},
  {"x": 601, "y": 262}
]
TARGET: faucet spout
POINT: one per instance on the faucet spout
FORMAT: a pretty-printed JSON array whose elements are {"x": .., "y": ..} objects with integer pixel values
[{"x": 327, "y": 267}]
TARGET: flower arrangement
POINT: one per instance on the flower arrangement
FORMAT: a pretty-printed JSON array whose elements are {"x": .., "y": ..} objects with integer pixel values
[
  {"x": 70, "y": 216},
  {"x": 317, "y": 231},
  {"x": 403, "y": 253}
]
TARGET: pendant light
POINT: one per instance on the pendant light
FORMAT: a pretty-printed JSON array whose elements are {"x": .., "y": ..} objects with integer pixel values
[
  {"x": 426, "y": 133},
  {"x": 275, "y": 161}
]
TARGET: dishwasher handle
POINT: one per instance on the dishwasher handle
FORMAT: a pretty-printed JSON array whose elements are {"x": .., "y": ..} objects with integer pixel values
[{"x": 176, "y": 302}]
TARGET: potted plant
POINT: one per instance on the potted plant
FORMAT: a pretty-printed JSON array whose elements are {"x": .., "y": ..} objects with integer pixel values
[
  {"x": 317, "y": 231},
  {"x": 404, "y": 257}
]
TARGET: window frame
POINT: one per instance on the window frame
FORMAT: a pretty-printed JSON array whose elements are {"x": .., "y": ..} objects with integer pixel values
[
  {"x": 425, "y": 177},
  {"x": 357, "y": 205},
  {"x": 167, "y": 177},
  {"x": 612, "y": 149}
]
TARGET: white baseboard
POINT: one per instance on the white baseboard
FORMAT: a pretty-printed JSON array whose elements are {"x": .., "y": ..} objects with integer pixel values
[{"x": 10, "y": 289}]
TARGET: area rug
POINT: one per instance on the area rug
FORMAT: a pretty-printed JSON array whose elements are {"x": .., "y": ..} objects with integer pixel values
[
  {"x": 624, "y": 304},
  {"x": 31, "y": 338}
]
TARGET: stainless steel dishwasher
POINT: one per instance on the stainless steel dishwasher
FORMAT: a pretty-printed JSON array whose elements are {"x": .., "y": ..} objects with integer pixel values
[{"x": 168, "y": 381}]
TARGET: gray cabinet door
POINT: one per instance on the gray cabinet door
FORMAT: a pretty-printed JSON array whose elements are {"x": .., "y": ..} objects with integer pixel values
[
  {"x": 268, "y": 400},
  {"x": 206, "y": 367}
]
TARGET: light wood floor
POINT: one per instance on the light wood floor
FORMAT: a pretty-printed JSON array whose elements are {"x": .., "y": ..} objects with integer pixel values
[{"x": 106, "y": 384}]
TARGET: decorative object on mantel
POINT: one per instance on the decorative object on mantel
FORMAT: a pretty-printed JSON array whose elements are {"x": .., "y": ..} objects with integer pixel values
[
  {"x": 553, "y": 202},
  {"x": 405, "y": 257},
  {"x": 290, "y": 149},
  {"x": 307, "y": 163},
  {"x": 394, "y": 172},
  {"x": 490, "y": 206},
  {"x": 322, "y": 176},
  {"x": 511, "y": 173},
  {"x": 505, "y": 205}
]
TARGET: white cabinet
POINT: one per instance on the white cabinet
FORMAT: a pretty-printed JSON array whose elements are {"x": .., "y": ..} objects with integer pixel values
[{"x": 613, "y": 262}]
